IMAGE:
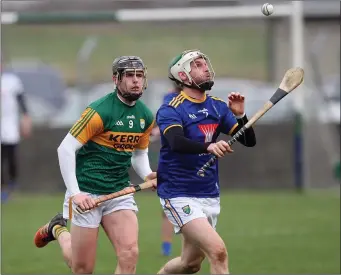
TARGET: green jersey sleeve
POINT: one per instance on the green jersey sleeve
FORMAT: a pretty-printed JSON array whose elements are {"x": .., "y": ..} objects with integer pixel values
[{"x": 89, "y": 125}]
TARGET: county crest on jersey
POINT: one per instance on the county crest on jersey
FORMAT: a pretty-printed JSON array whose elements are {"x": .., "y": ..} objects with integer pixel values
[{"x": 202, "y": 121}]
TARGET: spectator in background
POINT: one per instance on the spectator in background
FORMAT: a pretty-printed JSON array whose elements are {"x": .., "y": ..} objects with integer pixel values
[
  {"x": 166, "y": 226},
  {"x": 13, "y": 126}
]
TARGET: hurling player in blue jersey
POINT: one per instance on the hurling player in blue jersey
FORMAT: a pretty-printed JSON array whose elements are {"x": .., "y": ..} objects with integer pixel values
[
  {"x": 190, "y": 124},
  {"x": 166, "y": 225}
]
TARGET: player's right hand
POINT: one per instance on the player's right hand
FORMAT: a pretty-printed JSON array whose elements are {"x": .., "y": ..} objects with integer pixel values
[
  {"x": 219, "y": 148},
  {"x": 154, "y": 182},
  {"x": 151, "y": 176},
  {"x": 85, "y": 202}
]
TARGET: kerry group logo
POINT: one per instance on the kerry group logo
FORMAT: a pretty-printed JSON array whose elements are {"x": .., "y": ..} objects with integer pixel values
[
  {"x": 124, "y": 141},
  {"x": 120, "y": 141}
]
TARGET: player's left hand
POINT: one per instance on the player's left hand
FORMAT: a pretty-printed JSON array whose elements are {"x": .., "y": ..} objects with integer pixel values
[
  {"x": 152, "y": 176},
  {"x": 236, "y": 103}
]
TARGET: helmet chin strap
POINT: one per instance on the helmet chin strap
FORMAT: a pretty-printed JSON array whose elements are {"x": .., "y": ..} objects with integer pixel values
[
  {"x": 130, "y": 96},
  {"x": 205, "y": 86}
]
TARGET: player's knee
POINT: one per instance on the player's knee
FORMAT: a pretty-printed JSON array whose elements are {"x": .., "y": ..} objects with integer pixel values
[
  {"x": 82, "y": 268},
  {"x": 193, "y": 266},
  {"x": 219, "y": 254},
  {"x": 128, "y": 255}
]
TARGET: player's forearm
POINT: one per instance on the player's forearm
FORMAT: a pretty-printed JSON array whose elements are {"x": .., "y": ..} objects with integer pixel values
[
  {"x": 180, "y": 144},
  {"x": 67, "y": 162},
  {"x": 140, "y": 163},
  {"x": 249, "y": 137}
]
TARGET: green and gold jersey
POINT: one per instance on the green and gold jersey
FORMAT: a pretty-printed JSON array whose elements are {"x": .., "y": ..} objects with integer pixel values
[{"x": 109, "y": 131}]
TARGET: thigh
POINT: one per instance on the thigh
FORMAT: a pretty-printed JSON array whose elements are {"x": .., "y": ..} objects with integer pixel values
[
  {"x": 4, "y": 153},
  {"x": 180, "y": 211},
  {"x": 12, "y": 161},
  {"x": 199, "y": 232},
  {"x": 121, "y": 228},
  {"x": 3, "y": 160},
  {"x": 83, "y": 245},
  {"x": 12, "y": 152}
]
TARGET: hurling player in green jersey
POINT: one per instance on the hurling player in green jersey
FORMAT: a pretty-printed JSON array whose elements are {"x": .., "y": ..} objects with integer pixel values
[{"x": 111, "y": 135}]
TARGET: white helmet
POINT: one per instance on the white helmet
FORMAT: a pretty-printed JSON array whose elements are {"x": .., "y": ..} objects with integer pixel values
[{"x": 182, "y": 63}]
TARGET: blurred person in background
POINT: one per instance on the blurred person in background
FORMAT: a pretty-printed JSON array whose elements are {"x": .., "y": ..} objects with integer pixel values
[
  {"x": 94, "y": 158},
  {"x": 15, "y": 123},
  {"x": 166, "y": 226}
]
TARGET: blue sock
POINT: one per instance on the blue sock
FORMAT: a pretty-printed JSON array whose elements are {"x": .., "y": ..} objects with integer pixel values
[
  {"x": 4, "y": 196},
  {"x": 166, "y": 248}
]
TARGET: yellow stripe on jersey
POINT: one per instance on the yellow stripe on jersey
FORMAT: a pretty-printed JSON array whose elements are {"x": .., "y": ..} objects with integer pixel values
[
  {"x": 89, "y": 125},
  {"x": 217, "y": 98},
  {"x": 85, "y": 123},
  {"x": 179, "y": 102},
  {"x": 194, "y": 100},
  {"x": 173, "y": 100},
  {"x": 232, "y": 129},
  {"x": 80, "y": 123},
  {"x": 174, "y": 125},
  {"x": 176, "y": 101}
]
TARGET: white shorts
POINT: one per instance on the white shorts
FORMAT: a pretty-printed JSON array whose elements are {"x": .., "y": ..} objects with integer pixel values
[
  {"x": 182, "y": 210},
  {"x": 93, "y": 218}
]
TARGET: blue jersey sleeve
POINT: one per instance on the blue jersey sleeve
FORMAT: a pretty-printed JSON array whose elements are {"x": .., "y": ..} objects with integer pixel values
[
  {"x": 229, "y": 122},
  {"x": 167, "y": 117}
]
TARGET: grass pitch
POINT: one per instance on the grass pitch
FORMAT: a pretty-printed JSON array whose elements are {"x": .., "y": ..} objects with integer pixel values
[{"x": 268, "y": 233}]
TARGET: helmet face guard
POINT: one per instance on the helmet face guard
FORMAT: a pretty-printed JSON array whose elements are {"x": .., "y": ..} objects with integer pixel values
[
  {"x": 182, "y": 63},
  {"x": 129, "y": 65}
]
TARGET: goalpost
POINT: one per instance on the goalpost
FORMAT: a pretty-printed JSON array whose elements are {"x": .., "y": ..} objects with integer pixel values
[
  {"x": 292, "y": 10},
  {"x": 297, "y": 40}
]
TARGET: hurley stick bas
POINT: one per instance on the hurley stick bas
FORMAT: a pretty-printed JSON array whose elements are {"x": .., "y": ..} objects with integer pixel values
[{"x": 291, "y": 80}]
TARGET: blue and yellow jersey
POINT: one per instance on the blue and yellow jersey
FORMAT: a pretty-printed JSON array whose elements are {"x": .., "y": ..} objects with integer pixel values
[
  {"x": 169, "y": 96},
  {"x": 202, "y": 121}
]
